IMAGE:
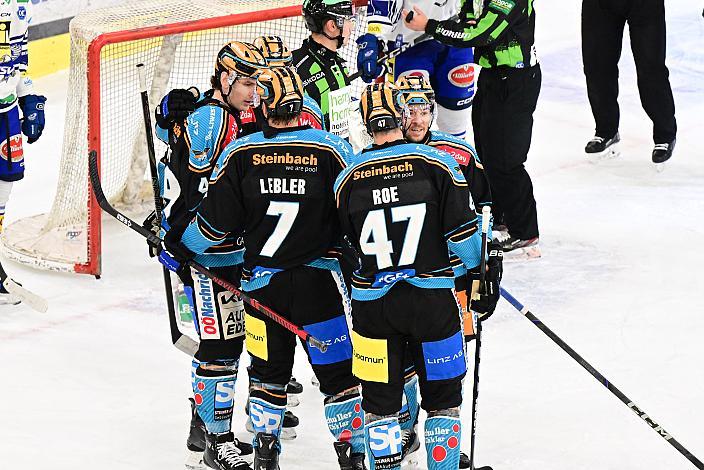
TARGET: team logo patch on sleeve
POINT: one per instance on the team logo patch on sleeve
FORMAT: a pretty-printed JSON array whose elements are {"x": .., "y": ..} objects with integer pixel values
[
  {"x": 256, "y": 337},
  {"x": 370, "y": 359},
  {"x": 444, "y": 359}
]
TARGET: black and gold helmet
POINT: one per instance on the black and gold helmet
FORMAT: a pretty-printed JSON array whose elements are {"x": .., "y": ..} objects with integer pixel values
[
  {"x": 380, "y": 107},
  {"x": 274, "y": 51},
  {"x": 415, "y": 90},
  {"x": 281, "y": 90},
  {"x": 239, "y": 59}
]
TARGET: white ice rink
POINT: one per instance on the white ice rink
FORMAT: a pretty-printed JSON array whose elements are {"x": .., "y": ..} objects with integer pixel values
[{"x": 95, "y": 383}]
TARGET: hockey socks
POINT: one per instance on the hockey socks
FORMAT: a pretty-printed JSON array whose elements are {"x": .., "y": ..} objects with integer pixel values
[
  {"x": 214, "y": 394},
  {"x": 442, "y": 442},
  {"x": 408, "y": 417},
  {"x": 382, "y": 437},
  {"x": 267, "y": 405},
  {"x": 345, "y": 418}
]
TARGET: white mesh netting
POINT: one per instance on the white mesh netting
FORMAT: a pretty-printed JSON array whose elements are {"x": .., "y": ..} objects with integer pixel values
[{"x": 59, "y": 240}]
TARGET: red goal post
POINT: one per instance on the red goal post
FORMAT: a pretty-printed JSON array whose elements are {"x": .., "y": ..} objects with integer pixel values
[{"x": 177, "y": 40}]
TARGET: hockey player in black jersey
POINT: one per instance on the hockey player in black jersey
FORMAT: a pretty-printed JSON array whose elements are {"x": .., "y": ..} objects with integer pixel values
[
  {"x": 197, "y": 132},
  {"x": 418, "y": 112},
  {"x": 403, "y": 205},
  {"x": 276, "y": 188}
]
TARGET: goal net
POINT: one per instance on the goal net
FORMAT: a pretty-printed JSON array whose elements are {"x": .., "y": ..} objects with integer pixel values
[{"x": 177, "y": 41}]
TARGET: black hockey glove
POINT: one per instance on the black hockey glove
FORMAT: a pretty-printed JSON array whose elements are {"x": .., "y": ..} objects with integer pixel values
[
  {"x": 150, "y": 223},
  {"x": 175, "y": 256},
  {"x": 486, "y": 303},
  {"x": 176, "y": 106}
]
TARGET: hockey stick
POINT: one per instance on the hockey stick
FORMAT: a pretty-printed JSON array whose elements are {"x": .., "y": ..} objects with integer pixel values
[
  {"x": 606, "y": 383},
  {"x": 182, "y": 342},
  {"x": 486, "y": 217},
  {"x": 156, "y": 241},
  {"x": 33, "y": 300}
]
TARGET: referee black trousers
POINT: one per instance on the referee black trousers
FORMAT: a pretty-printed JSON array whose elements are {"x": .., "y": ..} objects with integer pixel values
[
  {"x": 603, "y": 22},
  {"x": 502, "y": 118}
]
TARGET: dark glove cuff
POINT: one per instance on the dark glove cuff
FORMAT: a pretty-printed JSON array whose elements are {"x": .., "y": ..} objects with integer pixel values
[{"x": 431, "y": 27}]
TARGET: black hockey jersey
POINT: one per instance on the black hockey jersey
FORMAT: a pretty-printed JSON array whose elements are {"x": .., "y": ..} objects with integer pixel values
[
  {"x": 402, "y": 206},
  {"x": 276, "y": 188}
]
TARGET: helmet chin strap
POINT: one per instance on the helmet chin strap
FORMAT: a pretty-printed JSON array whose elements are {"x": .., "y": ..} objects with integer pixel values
[{"x": 339, "y": 38}]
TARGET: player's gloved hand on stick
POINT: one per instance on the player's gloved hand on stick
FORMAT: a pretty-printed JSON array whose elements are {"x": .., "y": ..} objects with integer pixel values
[
  {"x": 176, "y": 106},
  {"x": 32, "y": 107},
  {"x": 370, "y": 49},
  {"x": 150, "y": 223},
  {"x": 175, "y": 255},
  {"x": 486, "y": 303}
]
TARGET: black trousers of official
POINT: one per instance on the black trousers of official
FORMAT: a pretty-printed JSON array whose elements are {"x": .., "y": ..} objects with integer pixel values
[
  {"x": 603, "y": 22},
  {"x": 502, "y": 118}
]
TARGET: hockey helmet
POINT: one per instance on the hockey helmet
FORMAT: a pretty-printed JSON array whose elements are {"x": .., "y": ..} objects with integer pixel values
[
  {"x": 415, "y": 90},
  {"x": 274, "y": 50},
  {"x": 281, "y": 90},
  {"x": 380, "y": 107},
  {"x": 317, "y": 12},
  {"x": 239, "y": 59}
]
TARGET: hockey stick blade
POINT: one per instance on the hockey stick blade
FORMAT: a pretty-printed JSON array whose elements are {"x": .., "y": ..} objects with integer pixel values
[
  {"x": 33, "y": 300},
  {"x": 156, "y": 241},
  {"x": 603, "y": 380}
]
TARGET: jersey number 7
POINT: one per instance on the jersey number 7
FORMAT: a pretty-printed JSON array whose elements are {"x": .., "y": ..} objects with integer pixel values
[
  {"x": 374, "y": 239},
  {"x": 286, "y": 212}
]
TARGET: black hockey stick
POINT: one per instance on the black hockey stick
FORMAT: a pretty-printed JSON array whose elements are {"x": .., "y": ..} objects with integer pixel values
[
  {"x": 486, "y": 217},
  {"x": 30, "y": 298},
  {"x": 156, "y": 241},
  {"x": 606, "y": 383},
  {"x": 182, "y": 342}
]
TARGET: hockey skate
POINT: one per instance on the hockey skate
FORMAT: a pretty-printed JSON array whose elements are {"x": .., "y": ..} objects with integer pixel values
[
  {"x": 196, "y": 443},
  {"x": 409, "y": 445},
  {"x": 288, "y": 429},
  {"x": 222, "y": 454},
  {"x": 600, "y": 148},
  {"x": 293, "y": 389},
  {"x": 6, "y": 298},
  {"x": 516, "y": 249},
  {"x": 266, "y": 454},
  {"x": 346, "y": 459},
  {"x": 661, "y": 154}
]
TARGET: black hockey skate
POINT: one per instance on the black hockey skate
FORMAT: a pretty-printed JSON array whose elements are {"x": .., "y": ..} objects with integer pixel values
[
  {"x": 293, "y": 388},
  {"x": 196, "y": 442},
  {"x": 409, "y": 445},
  {"x": 347, "y": 459},
  {"x": 266, "y": 454},
  {"x": 464, "y": 460},
  {"x": 602, "y": 147},
  {"x": 222, "y": 454},
  {"x": 516, "y": 249},
  {"x": 662, "y": 153}
]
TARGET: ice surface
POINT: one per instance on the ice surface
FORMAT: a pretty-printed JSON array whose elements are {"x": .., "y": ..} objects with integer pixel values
[{"x": 95, "y": 382}]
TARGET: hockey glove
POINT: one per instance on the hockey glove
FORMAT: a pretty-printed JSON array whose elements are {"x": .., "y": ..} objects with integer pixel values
[
  {"x": 175, "y": 255},
  {"x": 150, "y": 223},
  {"x": 176, "y": 106},
  {"x": 370, "y": 48},
  {"x": 33, "y": 111},
  {"x": 489, "y": 296}
]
